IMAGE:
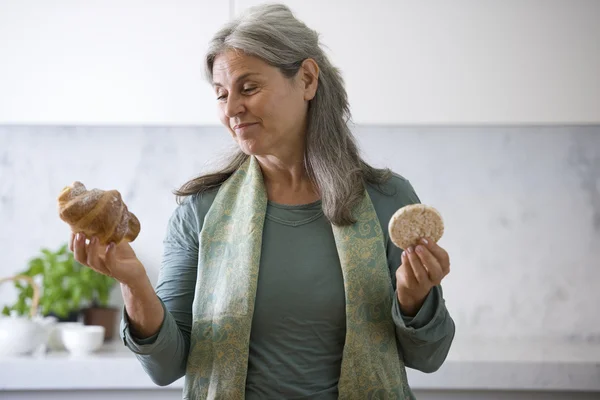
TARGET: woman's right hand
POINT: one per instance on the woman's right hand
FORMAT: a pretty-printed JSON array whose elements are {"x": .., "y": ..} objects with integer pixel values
[{"x": 117, "y": 261}]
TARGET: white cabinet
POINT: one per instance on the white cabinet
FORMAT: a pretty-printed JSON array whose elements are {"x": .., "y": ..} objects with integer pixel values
[
  {"x": 107, "y": 61},
  {"x": 136, "y": 62},
  {"x": 464, "y": 61}
]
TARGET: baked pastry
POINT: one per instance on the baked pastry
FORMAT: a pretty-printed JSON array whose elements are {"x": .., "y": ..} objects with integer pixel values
[
  {"x": 413, "y": 222},
  {"x": 97, "y": 213}
]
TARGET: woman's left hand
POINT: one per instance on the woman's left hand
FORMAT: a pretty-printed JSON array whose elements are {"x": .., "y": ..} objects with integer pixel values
[{"x": 422, "y": 268}]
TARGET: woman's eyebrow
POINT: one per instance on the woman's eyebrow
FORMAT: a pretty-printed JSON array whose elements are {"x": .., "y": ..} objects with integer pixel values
[{"x": 239, "y": 78}]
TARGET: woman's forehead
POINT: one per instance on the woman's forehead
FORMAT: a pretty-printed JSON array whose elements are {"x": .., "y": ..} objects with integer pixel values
[{"x": 232, "y": 66}]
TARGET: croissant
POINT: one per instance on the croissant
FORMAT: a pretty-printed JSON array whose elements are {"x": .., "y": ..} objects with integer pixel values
[{"x": 97, "y": 213}]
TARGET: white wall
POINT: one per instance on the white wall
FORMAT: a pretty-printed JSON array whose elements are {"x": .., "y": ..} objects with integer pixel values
[{"x": 522, "y": 207}]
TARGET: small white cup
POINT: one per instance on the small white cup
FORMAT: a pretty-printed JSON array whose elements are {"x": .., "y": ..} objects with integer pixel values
[
  {"x": 55, "y": 342},
  {"x": 82, "y": 340}
]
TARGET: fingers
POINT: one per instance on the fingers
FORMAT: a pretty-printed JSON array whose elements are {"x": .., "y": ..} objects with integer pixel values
[
  {"x": 430, "y": 263},
  {"x": 79, "y": 248},
  {"x": 439, "y": 253},
  {"x": 408, "y": 275},
  {"x": 94, "y": 257},
  {"x": 419, "y": 271},
  {"x": 71, "y": 240},
  {"x": 91, "y": 254}
]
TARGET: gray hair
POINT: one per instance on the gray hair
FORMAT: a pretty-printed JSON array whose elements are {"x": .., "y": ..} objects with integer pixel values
[{"x": 332, "y": 161}]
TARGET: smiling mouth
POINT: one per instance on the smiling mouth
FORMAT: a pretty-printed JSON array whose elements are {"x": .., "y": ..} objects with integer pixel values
[{"x": 240, "y": 126}]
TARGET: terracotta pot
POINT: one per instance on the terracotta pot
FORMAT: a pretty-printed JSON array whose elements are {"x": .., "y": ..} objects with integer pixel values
[
  {"x": 73, "y": 316},
  {"x": 103, "y": 316}
]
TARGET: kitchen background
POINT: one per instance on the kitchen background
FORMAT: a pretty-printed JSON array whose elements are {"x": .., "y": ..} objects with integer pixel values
[
  {"x": 491, "y": 109},
  {"x": 521, "y": 206}
]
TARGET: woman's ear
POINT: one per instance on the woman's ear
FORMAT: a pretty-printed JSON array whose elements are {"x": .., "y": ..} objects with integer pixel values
[{"x": 309, "y": 72}]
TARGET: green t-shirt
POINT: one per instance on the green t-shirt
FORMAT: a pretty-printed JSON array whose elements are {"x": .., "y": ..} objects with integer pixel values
[{"x": 298, "y": 325}]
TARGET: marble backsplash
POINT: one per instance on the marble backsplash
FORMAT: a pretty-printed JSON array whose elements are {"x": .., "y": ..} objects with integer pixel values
[{"x": 521, "y": 206}]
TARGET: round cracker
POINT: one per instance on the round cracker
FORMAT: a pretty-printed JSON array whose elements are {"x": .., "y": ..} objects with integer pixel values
[{"x": 415, "y": 221}]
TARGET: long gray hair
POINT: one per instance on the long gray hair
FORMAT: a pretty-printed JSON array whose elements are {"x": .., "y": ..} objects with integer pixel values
[{"x": 332, "y": 161}]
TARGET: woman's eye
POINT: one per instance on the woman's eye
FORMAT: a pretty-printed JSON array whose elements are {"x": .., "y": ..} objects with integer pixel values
[
  {"x": 222, "y": 97},
  {"x": 248, "y": 89}
]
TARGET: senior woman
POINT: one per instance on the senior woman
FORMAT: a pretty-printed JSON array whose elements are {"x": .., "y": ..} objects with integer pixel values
[{"x": 279, "y": 280}]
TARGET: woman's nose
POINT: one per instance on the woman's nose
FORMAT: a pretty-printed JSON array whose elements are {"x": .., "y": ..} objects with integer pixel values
[{"x": 234, "y": 106}]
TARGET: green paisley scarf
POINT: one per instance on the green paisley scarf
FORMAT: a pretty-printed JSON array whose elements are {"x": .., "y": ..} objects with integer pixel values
[{"x": 228, "y": 264}]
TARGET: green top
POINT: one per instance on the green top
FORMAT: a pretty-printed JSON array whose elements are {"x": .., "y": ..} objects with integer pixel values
[{"x": 298, "y": 326}]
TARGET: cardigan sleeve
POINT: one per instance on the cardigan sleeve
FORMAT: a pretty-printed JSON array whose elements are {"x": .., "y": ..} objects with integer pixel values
[{"x": 164, "y": 355}]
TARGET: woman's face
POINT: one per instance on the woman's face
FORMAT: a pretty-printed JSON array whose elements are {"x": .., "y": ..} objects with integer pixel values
[{"x": 264, "y": 111}]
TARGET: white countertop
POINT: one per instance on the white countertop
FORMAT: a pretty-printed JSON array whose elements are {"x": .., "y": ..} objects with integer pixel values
[{"x": 472, "y": 364}]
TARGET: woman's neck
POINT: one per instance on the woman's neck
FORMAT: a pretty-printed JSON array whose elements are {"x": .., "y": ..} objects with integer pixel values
[{"x": 287, "y": 182}]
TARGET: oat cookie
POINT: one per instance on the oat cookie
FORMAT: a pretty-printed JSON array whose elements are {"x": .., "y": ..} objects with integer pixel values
[{"x": 412, "y": 222}]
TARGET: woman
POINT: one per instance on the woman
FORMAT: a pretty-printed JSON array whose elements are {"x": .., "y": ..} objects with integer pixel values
[{"x": 336, "y": 311}]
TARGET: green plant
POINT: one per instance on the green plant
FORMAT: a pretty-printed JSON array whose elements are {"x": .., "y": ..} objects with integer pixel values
[{"x": 66, "y": 285}]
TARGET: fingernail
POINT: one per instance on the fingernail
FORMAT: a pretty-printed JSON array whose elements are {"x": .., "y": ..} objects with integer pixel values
[
  {"x": 419, "y": 249},
  {"x": 77, "y": 236},
  {"x": 425, "y": 241},
  {"x": 410, "y": 249}
]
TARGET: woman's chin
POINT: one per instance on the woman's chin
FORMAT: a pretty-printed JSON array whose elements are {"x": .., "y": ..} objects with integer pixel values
[{"x": 250, "y": 147}]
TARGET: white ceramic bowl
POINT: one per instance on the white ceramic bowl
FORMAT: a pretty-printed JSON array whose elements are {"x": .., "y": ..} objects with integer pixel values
[
  {"x": 82, "y": 340},
  {"x": 55, "y": 342},
  {"x": 22, "y": 335}
]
